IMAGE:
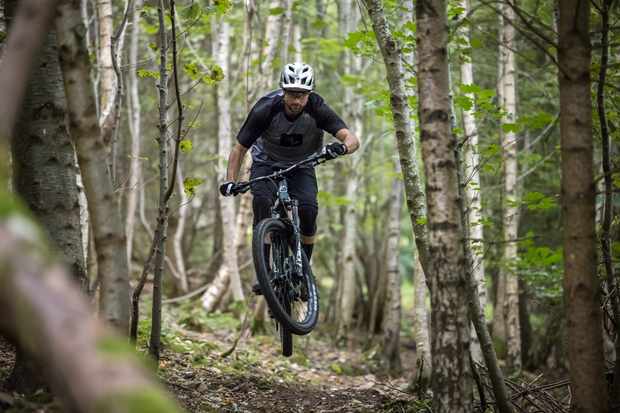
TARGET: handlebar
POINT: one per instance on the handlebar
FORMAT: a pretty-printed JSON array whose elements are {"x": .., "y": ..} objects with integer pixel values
[{"x": 314, "y": 160}]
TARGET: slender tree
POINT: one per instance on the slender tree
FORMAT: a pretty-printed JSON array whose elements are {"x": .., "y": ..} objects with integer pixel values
[
  {"x": 510, "y": 207},
  {"x": 581, "y": 291},
  {"x": 134, "y": 131},
  {"x": 105, "y": 218},
  {"x": 471, "y": 171},
  {"x": 414, "y": 195},
  {"x": 391, "y": 323},
  {"x": 228, "y": 274},
  {"x": 451, "y": 380}
]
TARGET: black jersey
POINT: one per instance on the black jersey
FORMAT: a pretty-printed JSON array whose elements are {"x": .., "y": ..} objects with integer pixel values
[{"x": 274, "y": 138}]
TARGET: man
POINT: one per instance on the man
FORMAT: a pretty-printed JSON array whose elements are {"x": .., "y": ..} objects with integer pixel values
[{"x": 284, "y": 127}]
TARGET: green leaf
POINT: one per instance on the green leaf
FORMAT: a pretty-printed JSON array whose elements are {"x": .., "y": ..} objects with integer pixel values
[
  {"x": 463, "y": 102},
  {"x": 186, "y": 145},
  {"x": 536, "y": 201},
  {"x": 473, "y": 88},
  {"x": 615, "y": 179},
  {"x": 276, "y": 11},
  {"x": 475, "y": 43},
  {"x": 510, "y": 127},
  {"x": 411, "y": 26},
  {"x": 143, "y": 73},
  {"x": 190, "y": 184},
  {"x": 421, "y": 221},
  {"x": 192, "y": 12}
]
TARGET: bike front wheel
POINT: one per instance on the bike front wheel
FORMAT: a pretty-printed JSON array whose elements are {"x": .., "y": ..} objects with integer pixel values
[{"x": 292, "y": 298}]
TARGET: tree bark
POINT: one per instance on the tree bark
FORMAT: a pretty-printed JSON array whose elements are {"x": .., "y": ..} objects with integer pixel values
[
  {"x": 39, "y": 305},
  {"x": 391, "y": 323},
  {"x": 177, "y": 239},
  {"x": 471, "y": 170},
  {"x": 421, "y": 330},
  {"x": 348, "y": 283},
  {"x": 451, "y": 380},
  {"x": 44, "y": 160},
  {"x": 135, "y": 131},
  {"x": 105, "y": 218},
  {"x": 227, "y": 204},
  {"x": 273, "y": 33},
  {"x": 510, "y": 208},
  {"x": 32, "y": 21},
  {"x": 414, "y": 195},
  {"x": 107, "y": 78},
  {"x": 161, "y": 232},
  {"x": 581, "y": 289}
]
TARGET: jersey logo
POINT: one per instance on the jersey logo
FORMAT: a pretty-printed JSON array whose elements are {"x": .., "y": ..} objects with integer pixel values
[{"x": 291, "y": 139}]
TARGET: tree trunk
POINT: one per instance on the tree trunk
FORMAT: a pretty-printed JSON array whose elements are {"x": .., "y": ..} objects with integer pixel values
[
  {"x": 177, "y": 239},
  {"x": 106, "y": 221},
  {"x": 510, "y": 209},
  {"x": 499, "y": 322},
  {"x": 421, "y": 330},
  {"x": 391, "y": 323},
  {"x": 227, "y": 204},
  {"x": 581, "y": 289},
  {"x": 32, "y": 21},
  {"x": 162, "y": 216},
  {"x": 472, "y": 190},
  {"x": 80, "y": 355},
  {"x": 107, "y": 78},
  {"x": 44, "y": 175},
  {"x": 44, "y": 161},
  {"x": 135, "y": 131},
  {"x": 451, "y": 380},
  {"x": 348, "y": 283},
  {"x": 273, "y": 33},
  {"x": 407, "y": 152}
]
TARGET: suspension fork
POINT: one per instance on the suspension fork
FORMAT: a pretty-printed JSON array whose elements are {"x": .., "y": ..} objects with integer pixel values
[{"x": 296, "y": 236}]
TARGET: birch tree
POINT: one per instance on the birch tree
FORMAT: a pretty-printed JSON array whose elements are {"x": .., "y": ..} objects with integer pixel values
[
  {"x": 451, "y": 380},
  {"x": 135, "y": 130},
  {"x": 581, "y": 288},
  {"x": 414, "y": 195},
  {"x": 391, "y": 323},
  {"x": 348, "y": 286},
  {"x": 109, "y": 235},
  {"x": 471, "y": 171},
  {"x": 229, "y": 270},
  {"x": 510, "y": 207}
]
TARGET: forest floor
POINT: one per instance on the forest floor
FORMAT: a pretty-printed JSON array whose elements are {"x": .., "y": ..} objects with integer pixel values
[{"x": 254, "y": 378}]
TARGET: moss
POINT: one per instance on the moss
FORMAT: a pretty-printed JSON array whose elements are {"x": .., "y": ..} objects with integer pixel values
[
  {"x": 147, "y": 400},
  {"x": 115, "y": 346}
]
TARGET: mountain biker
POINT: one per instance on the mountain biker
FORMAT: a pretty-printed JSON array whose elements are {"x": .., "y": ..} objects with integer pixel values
[{"x": 284, "y": 127}]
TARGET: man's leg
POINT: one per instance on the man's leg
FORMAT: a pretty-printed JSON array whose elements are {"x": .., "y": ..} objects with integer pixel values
[
  {"x": 263, "y": 194},
  {"x": 303, "y": 187}
]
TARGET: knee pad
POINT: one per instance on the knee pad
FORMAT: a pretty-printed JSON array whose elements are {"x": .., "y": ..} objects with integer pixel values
[{"x": 307, "y": 218}]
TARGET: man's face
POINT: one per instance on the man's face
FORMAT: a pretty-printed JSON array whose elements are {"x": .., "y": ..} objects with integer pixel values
[{"x": 295, "y": 101}]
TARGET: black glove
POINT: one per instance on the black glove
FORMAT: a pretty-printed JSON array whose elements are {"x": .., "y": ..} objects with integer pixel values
[
  {"x": 335, "y": 149},
  {"x": 228, "y": 188}
]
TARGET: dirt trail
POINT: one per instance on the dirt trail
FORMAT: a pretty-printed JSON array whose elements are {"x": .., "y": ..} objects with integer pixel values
[{"x": 254, "y": 378}]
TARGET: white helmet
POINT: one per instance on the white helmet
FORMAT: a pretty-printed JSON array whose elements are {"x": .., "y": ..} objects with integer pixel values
[{"x": 297, "y": 76}]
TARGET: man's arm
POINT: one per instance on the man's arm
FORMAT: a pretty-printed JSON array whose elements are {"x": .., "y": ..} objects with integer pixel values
[
  {"x": 234, "y": 162},
  {"x": 349, "y": 139}
]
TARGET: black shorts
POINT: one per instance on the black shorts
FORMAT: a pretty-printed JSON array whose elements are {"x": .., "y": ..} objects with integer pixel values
[{"x": 302, "y": 186}]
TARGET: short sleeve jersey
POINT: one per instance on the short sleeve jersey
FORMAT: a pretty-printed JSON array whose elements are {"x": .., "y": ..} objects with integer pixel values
[{"x": 274, "y": 138}]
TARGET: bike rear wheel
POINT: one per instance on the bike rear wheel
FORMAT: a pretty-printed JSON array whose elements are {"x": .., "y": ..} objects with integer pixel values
[{"x": 292, "y": 298}]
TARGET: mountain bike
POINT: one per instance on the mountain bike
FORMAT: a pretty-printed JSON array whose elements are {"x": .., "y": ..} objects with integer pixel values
[{"x": 282, "y": 268}]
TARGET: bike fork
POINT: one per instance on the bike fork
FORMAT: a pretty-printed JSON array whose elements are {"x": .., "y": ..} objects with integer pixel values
[{"x": 297, "y": 238}]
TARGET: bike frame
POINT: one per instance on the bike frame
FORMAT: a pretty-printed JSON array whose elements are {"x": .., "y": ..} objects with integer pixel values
[{"x": 285, "y": 207}]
